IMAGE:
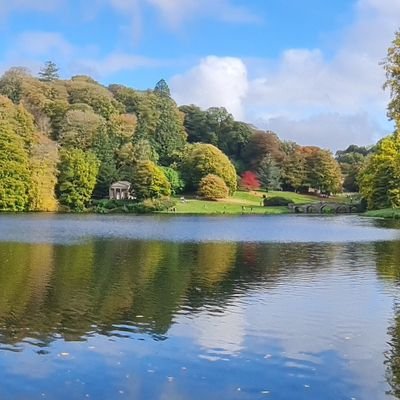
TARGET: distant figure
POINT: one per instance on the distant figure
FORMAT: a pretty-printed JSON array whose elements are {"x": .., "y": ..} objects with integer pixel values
[{"x": 183, "y": 200}]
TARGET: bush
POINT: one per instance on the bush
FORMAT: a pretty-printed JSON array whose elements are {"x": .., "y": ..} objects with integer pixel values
[
  {"x": 212, "y": 187},
  {"x": 153, "y": 205},
  {"x": 276, "y": 201}
]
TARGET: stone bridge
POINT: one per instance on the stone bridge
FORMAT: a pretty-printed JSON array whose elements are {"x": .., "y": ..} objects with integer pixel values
[{"x": 324, "y": 207}]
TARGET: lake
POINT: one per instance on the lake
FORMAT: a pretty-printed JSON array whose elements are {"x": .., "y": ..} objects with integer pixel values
[{"x": 169, "y": 307}]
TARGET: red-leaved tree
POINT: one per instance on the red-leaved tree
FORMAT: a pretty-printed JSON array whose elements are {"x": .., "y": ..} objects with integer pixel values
[{"x": 249, "y": 181}]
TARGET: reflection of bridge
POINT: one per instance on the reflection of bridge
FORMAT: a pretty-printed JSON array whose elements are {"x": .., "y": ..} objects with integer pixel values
[{"x": 324, "y": 207}]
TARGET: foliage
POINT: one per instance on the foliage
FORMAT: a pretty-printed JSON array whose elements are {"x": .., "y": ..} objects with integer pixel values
[
  {"x": 276, "y": 201},
  {"x": 212, "y": 187},
  {"x": 77, "y": 179},
  {"x": 260, "y": 145},
  {"x": 169, "y": 135},
  {"x": 49, "y": 72},
  {"x": 392, "y": 69},
  {"x": 15, "y": 177},
  {"x": 249, "y": 181},
  {"x": 217, "y": 127},
  {"x": 162, "y": 88},
  {"x": 380, "y": 176},
  {"x": 80, "y": 128},
  {"x": 203, "y": 159},
  {"x": 174, "y": 179},
  {"x": 293, "y": 171},
  {"x": 81, "y": 90},
  {"x": 351, "y": 161},
  {"x": 269, "y": 173},
  {"x": 149, "y": 181},
  {"x": 322, "y": 170},
  {"x": 16, "y": 133},
  {"x": 155, "y": 205},
  {"x": 43, "y": 166}
]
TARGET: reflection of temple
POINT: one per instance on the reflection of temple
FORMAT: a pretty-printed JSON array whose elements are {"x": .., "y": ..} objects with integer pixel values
[{"x": 120, "y": 190}]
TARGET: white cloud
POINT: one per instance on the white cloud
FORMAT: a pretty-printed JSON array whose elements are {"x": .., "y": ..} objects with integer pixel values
[
  {"x": 331, "y": 130},
  {"x": 220, "y": 81},
  {"x": 305, "y": 94}
]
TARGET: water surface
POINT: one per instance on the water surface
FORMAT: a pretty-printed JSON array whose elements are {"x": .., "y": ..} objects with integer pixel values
[{"x": 282, "y": 307}]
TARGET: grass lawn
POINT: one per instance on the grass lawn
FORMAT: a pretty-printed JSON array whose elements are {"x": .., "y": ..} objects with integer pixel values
[
  {"x": 240, "y": 203},
  {"x": 384, "y": 213}
]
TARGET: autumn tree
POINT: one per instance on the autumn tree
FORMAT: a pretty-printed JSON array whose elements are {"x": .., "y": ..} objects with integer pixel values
[
  {"x": 203, "y": 159},
  {"x": 322, "y": 170},
  {"x": 149, "y": 181},
  {"x": 77, "y": 178},
  {"x": 259, "y": 146},
  {"x": 293, "y": 172},
  {"x": 249, "y": 181},
  {"x": 379, "y": 178},
  {"x": 212, "y": 187}
]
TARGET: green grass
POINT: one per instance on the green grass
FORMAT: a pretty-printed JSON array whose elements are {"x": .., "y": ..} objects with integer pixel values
[
  {"x": 240, "y": 203},
  {"x": 384, "y": 213}
]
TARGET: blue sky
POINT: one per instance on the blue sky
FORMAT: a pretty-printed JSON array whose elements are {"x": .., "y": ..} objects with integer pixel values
[{"x": 307, "y": 69}]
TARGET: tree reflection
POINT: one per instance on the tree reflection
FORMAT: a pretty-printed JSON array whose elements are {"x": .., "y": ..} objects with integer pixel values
[
  {"x": 388, "y": 269},
  {"x": 117, "y": 287}
]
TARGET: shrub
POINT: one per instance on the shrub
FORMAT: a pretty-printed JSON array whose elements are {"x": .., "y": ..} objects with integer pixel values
[
  {"x": 153, "y": 205},
  {"x": 276, "y": 201},
  {"x": 212, "y": 187}
]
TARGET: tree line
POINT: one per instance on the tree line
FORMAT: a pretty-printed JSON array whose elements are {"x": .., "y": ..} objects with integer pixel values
[{"x": 63, "y": 142}]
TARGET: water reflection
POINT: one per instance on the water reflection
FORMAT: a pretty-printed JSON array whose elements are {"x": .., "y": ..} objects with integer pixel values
[
  {"x": 388, "y": 269},
  {"x": 166, "y": 320}
]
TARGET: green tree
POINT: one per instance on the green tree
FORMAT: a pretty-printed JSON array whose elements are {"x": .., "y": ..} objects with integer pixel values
[
  {"x": 149, "y": 181},
  {"x": 77, "y": 179},
  {"x": 15, "y": 178},
  {"x": 203, "y": 159},
  {"x": 217, "y": 127},
  {"x": 103, "y": 147},
  {"x": 212, "y": 187},
  {"x": 162, "y": 88},
  {"x": 174, "y": 179},
  {"x": 49, "y": 72},
  {"x": 169, "y": 137},
  {"x": 392, "y": 68},
  {"x": 379, "y": 178},
  {"x": 269, "y": 173}
]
